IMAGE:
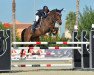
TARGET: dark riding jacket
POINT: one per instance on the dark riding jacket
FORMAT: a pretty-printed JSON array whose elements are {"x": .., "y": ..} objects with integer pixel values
[{"x": 41, "y": 14}]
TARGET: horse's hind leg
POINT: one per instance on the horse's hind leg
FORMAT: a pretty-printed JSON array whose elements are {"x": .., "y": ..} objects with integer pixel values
[
  {"x": 32, "y": 39},
  {"x": 22, "y": 37},
  {"x": 37, "y": 39}
]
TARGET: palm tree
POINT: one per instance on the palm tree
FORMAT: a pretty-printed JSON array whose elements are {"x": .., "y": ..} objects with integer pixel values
[
  {"x": 13, "y": 18},
  {"x": 77, "y": 12},
  {"x": 70, "y": 21}
]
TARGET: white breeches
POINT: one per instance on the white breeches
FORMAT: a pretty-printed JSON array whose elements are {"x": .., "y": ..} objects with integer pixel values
[{"x": 37, "y": 18}]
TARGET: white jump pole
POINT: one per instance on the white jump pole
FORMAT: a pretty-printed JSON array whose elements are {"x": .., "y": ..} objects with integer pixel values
[
  {"x": 35, "y": 54},
  {"x": 19, "y": 48},
  {"x": 41, "y": 65},
  {"x": 50, "y": 42},
  {"x": 51, "y": 59}
]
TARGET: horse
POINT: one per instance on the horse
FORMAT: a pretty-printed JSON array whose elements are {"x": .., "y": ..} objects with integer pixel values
[{"x": 46, "y": 25}]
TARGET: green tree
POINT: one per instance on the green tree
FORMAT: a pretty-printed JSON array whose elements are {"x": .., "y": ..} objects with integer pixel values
[
  {"x": 1, "y": 26},
  {"x": 70, "y": 21},
  {"x": 86, "y": 19}
]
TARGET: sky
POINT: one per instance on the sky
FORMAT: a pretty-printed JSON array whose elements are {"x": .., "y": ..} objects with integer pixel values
[{"x": 26, "y": 9}]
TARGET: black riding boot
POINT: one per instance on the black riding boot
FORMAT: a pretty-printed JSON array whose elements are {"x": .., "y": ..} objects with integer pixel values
[
  {"x": 34, "y": 27},
  {"x": 33, "y": 30}
]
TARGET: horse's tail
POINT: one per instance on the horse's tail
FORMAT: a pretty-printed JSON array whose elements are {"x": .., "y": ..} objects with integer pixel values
[{"x": 22, "y": 36}]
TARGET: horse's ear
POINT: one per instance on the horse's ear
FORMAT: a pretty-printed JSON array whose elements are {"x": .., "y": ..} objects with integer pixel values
[
  {"x": 62, "y": 9},
  {"x": 55, "y": 9}
]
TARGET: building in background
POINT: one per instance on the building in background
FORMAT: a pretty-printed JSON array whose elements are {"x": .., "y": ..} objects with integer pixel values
[{"x": 20, "y": 26}]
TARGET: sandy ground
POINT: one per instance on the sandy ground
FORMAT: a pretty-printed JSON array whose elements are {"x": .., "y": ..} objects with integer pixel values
[
  {"x": 45, "y": 71},
  {"x": 49, "y": 72}
]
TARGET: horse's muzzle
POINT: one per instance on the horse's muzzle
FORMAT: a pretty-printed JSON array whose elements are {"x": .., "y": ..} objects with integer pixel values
[{"x": 60, "y": 23}]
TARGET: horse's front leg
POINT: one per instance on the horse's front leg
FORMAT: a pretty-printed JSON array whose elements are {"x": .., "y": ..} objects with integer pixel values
[{"x": 34, "y": 39}]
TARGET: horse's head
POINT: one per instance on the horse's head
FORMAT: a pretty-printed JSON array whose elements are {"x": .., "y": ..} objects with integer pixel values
[{"x": 57, "y": 15}]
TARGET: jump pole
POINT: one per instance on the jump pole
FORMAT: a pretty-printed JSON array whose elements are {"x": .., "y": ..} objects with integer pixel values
[
  {"x": 51, "y": 59},
  {"x": 34, "y": 54},
  {"x": 55, "y": 48},
  {"x": 41, "y": 65},
  {"x": 38, "y": 43}
]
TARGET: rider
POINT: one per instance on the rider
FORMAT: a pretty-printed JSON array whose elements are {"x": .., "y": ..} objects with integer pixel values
[{"x": 40, "y": 14}]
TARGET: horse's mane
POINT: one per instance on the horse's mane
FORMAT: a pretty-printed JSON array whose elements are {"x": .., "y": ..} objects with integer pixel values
[
  {"x": 55, "y": 10},
  {"x": 52, "y": 12}
]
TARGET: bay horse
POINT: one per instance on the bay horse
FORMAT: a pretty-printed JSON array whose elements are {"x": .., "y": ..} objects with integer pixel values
[{"x": 46, "y": 25}]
